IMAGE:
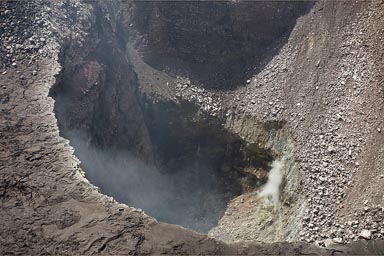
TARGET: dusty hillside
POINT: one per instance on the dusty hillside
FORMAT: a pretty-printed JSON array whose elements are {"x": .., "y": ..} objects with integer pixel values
[
  {"x": 326, "y": 83},
  {"x": 206, "y": 94}
]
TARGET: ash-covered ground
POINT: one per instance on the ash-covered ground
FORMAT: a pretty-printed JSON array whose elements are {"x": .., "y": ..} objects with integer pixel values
[{"x": 307, "y": 88}]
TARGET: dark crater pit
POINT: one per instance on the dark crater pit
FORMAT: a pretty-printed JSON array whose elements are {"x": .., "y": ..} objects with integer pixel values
[
  {"x": 194, "y": 167},
  {"x": 164, "y": 155}
]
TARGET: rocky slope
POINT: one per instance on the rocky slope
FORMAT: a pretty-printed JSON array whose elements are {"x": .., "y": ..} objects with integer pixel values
[
  {"x": 334, "y": 105},
  {"x": 314, "y": 100}
]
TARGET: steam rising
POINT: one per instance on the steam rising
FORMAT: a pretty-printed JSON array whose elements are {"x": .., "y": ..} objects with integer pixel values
[
  {"x": 191, "y": 195},
  {"x": 272, "y": 188}
]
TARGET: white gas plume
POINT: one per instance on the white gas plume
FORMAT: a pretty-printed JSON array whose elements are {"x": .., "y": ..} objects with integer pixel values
[{"x": 271, "y": 189}]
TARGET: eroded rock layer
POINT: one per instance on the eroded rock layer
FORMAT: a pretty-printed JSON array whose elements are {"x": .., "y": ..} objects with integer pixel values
[{"x": 310, "y": 94}]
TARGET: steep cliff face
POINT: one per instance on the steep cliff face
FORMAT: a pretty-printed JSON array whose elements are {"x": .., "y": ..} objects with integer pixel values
[
  {"x": 105, "y": 98},
  {"x": 180, "y": 108},
  {"x": 144, "y": 90},
  {"x": 217, "y": 44},
  {"x": 97, "y": 86}
]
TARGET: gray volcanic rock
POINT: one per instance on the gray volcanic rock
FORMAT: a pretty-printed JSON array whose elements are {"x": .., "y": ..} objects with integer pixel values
[
  {"x": 315, "y": 99},
  {"x": 215, "y": 43}
]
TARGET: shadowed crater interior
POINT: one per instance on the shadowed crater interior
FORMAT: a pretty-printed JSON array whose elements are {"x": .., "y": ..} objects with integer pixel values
[
  {"x": 194, "y": 169},
  {"x": 160, "y": 154},
  {"x": 218, "y": 44}
]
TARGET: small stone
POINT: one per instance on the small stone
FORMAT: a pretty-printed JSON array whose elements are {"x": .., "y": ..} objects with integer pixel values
[
  {"x": 14, "y": 64},
  {"x": 378, "y": 130},
  {"x": 4, "y": 73},
  {"x": 366, "y": 234},
  {"x": 34, "y": 72},
  {"x": 248, "y": 81},
  {"x": 338, "y": 240},
  {"x": 331, "y": 149},
  {"x": 328, "y": 242}
]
